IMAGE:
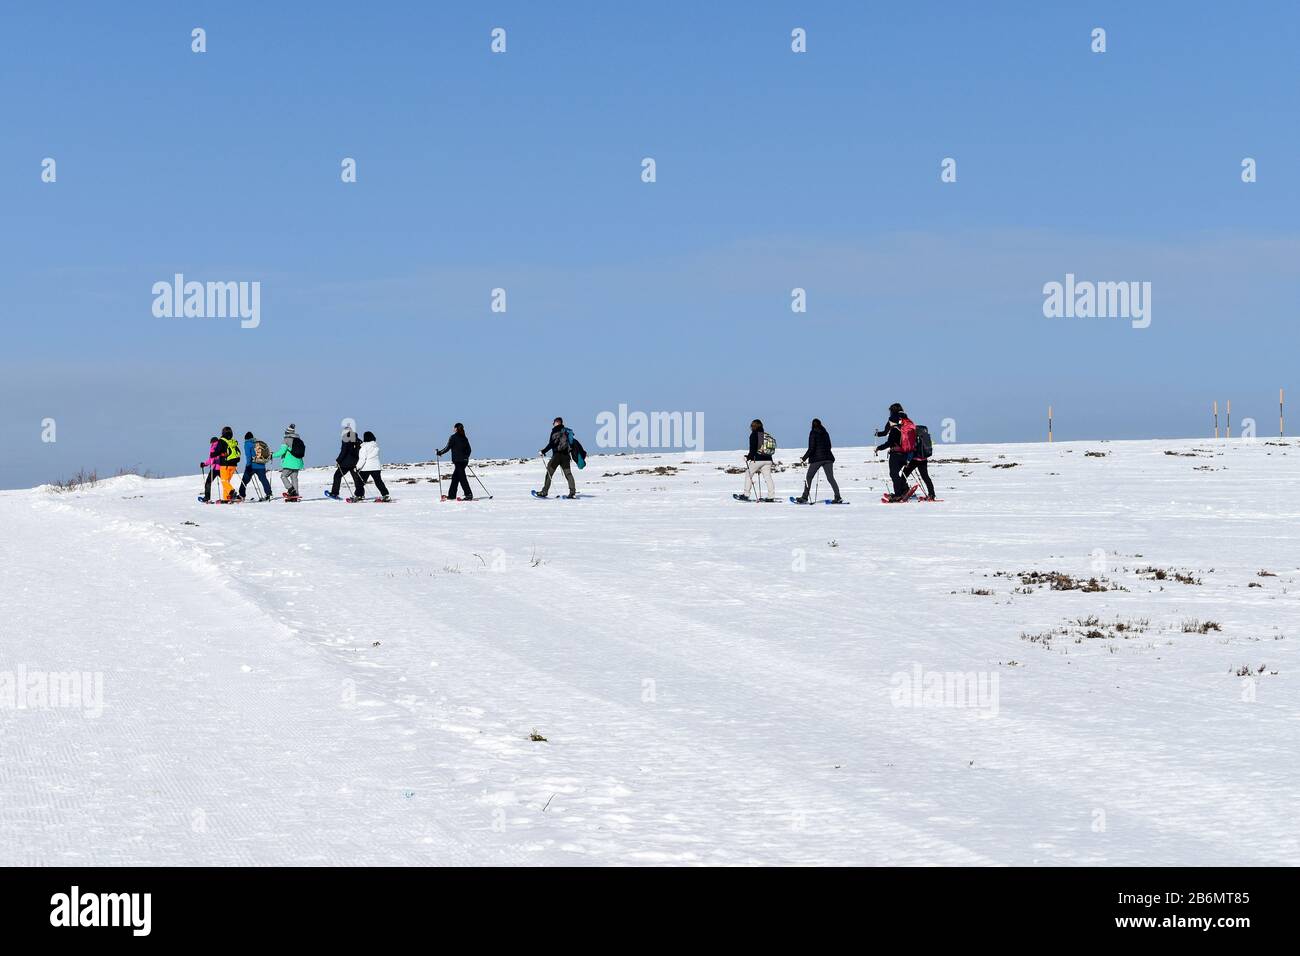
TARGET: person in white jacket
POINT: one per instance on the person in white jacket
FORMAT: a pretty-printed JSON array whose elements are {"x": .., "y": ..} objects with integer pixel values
[{"x": 368, "y": 467}]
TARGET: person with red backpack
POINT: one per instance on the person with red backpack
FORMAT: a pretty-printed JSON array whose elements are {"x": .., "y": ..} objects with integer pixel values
[
  {"x": 900, "y": 438},
  {"x": 918, "y": 461}
]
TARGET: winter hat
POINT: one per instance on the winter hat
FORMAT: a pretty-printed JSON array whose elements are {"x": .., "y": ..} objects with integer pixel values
[
  {"x": 369, "y": 436},
  {"x": 227, "y": 432},
  {"x": 459, "y": 427},
  {"x": 895, "y": 407},
  {"x": 817, "y": 423},
  {"x": 290, "y": 432},
  {"x": 248, "y": 434}
]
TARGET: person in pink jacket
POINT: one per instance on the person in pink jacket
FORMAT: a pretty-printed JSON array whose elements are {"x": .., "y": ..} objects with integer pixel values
[{"x": 212, "y": 467}]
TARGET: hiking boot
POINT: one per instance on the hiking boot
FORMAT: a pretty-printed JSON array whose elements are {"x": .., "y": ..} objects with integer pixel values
[
  {"x": 385, "y": 498},
  {"x": 801, "y": 500},
  {"x": 837, "y": 501},
  {"x": 571, "y": 494}
]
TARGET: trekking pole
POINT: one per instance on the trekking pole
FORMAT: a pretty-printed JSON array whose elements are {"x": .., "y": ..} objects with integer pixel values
[
  {"x": 750, "y": 487},
  {"x": 478, "y": 479},
  {"x": 440, "y": 494}
]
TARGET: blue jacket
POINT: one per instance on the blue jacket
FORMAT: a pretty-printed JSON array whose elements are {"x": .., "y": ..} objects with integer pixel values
[{"x": 248, "y": 456}]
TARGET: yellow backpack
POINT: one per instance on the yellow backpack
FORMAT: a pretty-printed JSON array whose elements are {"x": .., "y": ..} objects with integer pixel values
[{"x": 232, "y": 450}]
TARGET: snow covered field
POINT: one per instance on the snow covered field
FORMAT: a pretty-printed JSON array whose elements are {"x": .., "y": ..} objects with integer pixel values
[{"x": 717, "y": 682}]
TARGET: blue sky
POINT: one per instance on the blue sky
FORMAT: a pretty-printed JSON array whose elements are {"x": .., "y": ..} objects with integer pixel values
[{"x": 522, "y": 171}]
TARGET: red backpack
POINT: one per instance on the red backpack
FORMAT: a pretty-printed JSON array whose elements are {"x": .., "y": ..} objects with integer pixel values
[{"x": 906, "y": 436}]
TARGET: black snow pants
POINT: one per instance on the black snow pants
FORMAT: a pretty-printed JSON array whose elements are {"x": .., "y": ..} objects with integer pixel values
[
  {"x": 920, "y": 466},
  {"x": 458, "y": 479},
  {"x": 896, "y": 462}
]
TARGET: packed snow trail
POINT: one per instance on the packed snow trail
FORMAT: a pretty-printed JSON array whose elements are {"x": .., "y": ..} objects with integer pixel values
[{"x": 717, "y": 681}]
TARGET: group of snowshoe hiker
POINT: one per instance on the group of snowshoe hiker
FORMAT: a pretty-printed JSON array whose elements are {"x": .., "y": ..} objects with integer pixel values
[
  {"x": 225, "y": 454},
  {"x": 908, "y": 446},
  {"x": 358, "y": 458}
]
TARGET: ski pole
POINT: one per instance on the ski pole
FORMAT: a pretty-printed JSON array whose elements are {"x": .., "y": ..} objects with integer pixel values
[
  {"x": 440, "y": 494},
  {"x": 479, "y": 480}
]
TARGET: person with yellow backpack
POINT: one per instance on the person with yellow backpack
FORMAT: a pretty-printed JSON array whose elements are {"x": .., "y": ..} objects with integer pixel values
[{"x": 227, "y": 461}]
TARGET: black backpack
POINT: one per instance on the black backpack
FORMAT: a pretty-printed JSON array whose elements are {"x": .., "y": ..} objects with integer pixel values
[
  {"x": 924, "y": 444},
  {"x": 297, "y": 448}
]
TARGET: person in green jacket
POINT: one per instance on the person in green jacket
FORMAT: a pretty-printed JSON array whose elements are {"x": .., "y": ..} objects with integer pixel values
[{"x": 291, "y": 463}]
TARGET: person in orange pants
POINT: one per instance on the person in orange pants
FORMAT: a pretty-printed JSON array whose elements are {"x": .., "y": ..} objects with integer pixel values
[{"x": 227, "y": 461}]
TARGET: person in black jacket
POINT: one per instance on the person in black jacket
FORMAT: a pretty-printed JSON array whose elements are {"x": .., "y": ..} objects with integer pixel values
[
  {"x": 819, "y": 458},
  {"x": 758, "y": 464},
  {"x": 346, "y": 462},
  {"x": 558, "y": 446},
  {"x": 458, "y": 445},
  {"x": 893, "y": 435}
]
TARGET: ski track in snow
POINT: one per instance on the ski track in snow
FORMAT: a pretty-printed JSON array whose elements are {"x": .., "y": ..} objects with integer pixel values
[{"x": 705, "y": 700}]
